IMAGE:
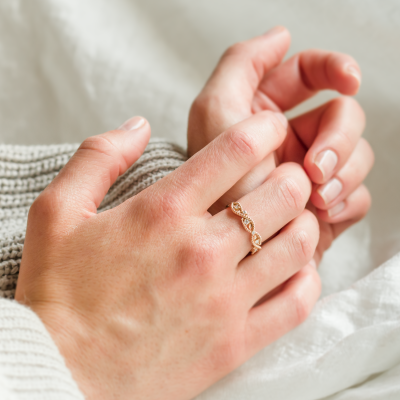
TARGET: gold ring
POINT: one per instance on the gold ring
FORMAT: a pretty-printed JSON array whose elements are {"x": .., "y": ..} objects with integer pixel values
[{"x": 249, "y": 225}]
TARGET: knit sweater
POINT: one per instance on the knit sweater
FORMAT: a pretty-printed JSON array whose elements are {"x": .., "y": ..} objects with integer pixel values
[{"x": 31, "y": 366}]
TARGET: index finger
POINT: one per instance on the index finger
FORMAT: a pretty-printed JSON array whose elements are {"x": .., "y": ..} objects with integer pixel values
[
  {"x": 244, "y": 65},
  {"x": 211, "y": 172},
  {"x": 306, "y": 73}
]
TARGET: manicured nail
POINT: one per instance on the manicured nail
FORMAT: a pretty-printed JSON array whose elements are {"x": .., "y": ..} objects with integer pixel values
[
  {"x": 337, "y": 209},
  {"x": 313, "y": 263},
  {"x": 330, "y": 190},
  {"x": 275, "y": 31},
  {"x": 326, "y": 162},
  {"x": 282, "y": 119},
  {"x": 132, "y": 124},
  {"x": 353, "y": 71}
]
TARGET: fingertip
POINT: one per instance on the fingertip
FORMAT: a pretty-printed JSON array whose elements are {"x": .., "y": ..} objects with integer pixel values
[
  {"x": 352, "y": 77},
  {"x": 353, "y": 208},
  {"x": 347, "y": 75},
  {"x": 138, "y": 129},
  {"x": 277, "y": 30},
  {"x": 320, "y": 167},
  {"x": 333, "y": 215},
  {"x": 342, "y": 72},
  {"x": 133, "y": 124},
  {"x": 314, "y": 173},
  {"x": 131, "y": 138}
]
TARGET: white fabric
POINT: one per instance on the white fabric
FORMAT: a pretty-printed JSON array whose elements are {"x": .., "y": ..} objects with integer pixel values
[
  {"x": 72, "y": 68},
  {"x": 31, "y": 366},
  {"x": 352, "y": 338}
]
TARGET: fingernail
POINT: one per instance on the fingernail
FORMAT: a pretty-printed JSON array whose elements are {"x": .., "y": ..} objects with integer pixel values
[
  {"x": 313, "y": 263},
  {"x": 132, "y": 124},
  {"x": 337, "y": 209},
  {"x": 326, "y": 162},
  {"x": 274, "y": 31},
  {"x": 282, "y": 119},
  {"x": 330, "y": 190},
  {"x": 353, "y": 71}
]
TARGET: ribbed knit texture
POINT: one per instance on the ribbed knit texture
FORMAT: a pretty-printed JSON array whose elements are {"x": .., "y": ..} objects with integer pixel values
[{"x": 31, "y": 366}]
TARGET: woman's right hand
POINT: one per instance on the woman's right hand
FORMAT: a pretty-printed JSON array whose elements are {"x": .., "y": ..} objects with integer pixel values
[{"x": 156, "y": 298}]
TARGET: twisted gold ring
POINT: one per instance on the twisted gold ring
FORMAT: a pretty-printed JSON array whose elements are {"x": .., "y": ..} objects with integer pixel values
[{"x": 249, "y": 225}]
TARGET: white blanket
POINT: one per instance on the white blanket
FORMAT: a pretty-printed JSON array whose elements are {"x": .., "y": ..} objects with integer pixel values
[
  {"x": 349, "y": 346},
  {"x": 73, "y": 68}
]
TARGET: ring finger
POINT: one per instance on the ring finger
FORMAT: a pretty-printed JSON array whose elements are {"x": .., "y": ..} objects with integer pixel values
[{"x": 280, "y": 199}]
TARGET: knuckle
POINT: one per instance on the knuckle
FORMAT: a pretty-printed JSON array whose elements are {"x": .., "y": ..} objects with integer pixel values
[
  {"x": 291, "y": 193},
  {"x": 302, "y": 245},
  {"x": 370, "y": 155},
  {"x": 302, "y": 306},
  {"x": 166, "y": 206},
  {"x": 349, "y": 103},
  {"x": 274, "y": 126},
  {"x": 242, "y": 144},
  {"x": 364, "y": 204},
  {"x": 202, "y": 257},
  {"x": 343, "y": 137},
  {"x": 352, "y": 107},
  {"x": 44, "y": 211},
  {"x": 198, "y": 109},
  {"x": 236, "y": 49},
  {"x": 201, "y": 105},
  {"x": 40, "y": 207},
  {"x": 98, "y": 143},
  {"x": 302, "y": 309},
  {"x": 106, "y": 151},
  {"x": 208, "y": 105},
  {"x": 227, "y": 354}
]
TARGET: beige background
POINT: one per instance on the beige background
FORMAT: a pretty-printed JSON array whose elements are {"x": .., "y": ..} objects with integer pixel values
[{"x": 73, "y": 68}]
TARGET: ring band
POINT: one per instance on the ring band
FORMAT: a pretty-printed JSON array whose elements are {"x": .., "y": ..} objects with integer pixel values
[{"x": 249, "y": 225}]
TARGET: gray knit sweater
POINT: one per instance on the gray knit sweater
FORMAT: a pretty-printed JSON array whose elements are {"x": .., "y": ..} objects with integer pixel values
[{"x": 31, "y": 366}]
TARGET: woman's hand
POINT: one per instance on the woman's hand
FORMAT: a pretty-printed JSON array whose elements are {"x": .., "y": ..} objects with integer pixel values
[
  {"x": 155, "y": 299},
  {"x": 326, "y": 141}
]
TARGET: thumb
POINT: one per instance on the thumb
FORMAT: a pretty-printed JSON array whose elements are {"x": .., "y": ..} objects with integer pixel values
[{"x": 81, "y": 185}]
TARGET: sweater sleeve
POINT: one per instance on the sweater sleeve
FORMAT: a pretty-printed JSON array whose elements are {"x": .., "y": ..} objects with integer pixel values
[
  {"x": 31, "y": 367},
  {"x": 30, "y": 363}
]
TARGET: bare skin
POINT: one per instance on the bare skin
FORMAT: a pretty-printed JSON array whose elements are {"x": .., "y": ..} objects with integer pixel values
[
  {"x": 251, "y": 77},
  {"x": 174, "y": 311},
  {"x": 156, "y": 298}
]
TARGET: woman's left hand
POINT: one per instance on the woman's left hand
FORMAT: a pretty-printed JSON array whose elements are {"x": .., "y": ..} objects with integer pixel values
[{"x": 326, "y": 141}]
